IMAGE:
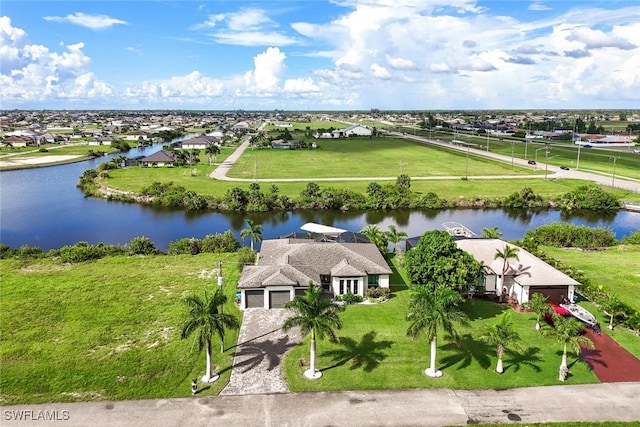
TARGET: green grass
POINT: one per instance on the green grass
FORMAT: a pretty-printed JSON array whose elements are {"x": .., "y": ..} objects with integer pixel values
[
  {"x": 108, "y": 329},
  {"x": 375, "y": 353},
  {"x": 366, "y": 157},
  {"x": 617, "y": 269}
]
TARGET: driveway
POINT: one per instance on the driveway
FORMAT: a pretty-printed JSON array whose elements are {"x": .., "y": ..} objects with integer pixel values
[{"x": 262, "y": 344}]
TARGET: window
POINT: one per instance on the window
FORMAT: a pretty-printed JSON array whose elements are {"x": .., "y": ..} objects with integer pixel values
[
  {"x": 341, "y": 290},
  {"x": 356, "y": 291},
  {"x": 374, "y": 280}
]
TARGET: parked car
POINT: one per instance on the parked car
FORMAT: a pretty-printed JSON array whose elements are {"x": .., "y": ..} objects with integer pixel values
[
  {"x": 532, "y": 162},
  {"x": 587, "y": 146},
  {"x": 564, "y": 168}
]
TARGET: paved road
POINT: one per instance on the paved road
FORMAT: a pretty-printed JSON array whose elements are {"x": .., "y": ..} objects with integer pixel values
[
  {"x": 432, "y": 407},
  {"x": 554, "y": 172}
]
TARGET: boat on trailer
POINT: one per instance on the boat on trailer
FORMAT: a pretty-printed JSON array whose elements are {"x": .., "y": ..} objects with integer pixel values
[{"x": 581, "y": 314}]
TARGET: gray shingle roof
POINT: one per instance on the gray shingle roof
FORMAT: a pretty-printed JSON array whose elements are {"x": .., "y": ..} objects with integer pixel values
[{"x": 291, "y": 261}]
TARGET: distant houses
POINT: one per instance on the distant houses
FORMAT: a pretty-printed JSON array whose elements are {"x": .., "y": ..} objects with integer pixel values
[{"x": 159, "y": 158}]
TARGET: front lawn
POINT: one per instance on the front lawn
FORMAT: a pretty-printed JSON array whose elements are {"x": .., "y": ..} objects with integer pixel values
[{"x": 375, "y": 353}]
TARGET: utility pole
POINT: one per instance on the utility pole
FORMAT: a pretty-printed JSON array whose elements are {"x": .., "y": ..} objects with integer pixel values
[{"x": 613, "y": 175}]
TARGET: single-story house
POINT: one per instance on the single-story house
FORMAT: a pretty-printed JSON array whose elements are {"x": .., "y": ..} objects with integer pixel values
[
  {"x": 524, "y": 276},
  {"x": 198, "y": 143},
  {"x": 285, "y": 267},
  {"x": 159, "y": 158},
  {"x": 285, "y": 145},
  {"x": 354, "y": 130}
]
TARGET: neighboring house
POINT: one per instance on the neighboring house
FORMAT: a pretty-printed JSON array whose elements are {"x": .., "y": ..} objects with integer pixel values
[
  {"x": 355, "y": 130},
  {"x": 285, "y": 267},
  {"x": 159, "y": 158},
  {"x": 137, "y": 135},
  {"x": 198, "y": 143},
  {"x": 285, "y": 145},
  {"x": 524, "y": 276}
]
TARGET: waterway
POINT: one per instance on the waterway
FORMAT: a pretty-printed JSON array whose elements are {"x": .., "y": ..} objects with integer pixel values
[{"x": 42, "y": 207}]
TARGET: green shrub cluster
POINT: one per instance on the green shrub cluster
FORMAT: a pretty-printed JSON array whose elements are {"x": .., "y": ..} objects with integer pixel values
[
  {"x": 225, "y": 242},
  {"x": 377, "y": 294},
  {"x": 631, "y": 239},
  {"x": 83, "y": 251},
  {"x": 175, "y": 196},
  {"x": 590, "y": 197},
  {"x": 564, "y": 235},
  {"x": 349, "y": 298},
  {"x": 524, "y": 198}
]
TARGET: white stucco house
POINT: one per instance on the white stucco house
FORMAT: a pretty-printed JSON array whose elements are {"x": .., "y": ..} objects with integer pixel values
[
  {"x": 285, "y": 267},
  {"x": 354, "y": 130},
  {"x": 524, "y": 276}
]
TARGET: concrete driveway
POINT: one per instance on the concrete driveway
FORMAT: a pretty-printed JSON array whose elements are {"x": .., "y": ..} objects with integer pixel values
[{"x": 257, "y": 363}]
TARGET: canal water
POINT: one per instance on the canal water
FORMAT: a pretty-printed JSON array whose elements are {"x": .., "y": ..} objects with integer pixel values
[{"x": 42, "y": 207}]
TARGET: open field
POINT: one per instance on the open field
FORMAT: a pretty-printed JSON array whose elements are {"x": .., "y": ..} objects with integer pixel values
[
  {"x": 375, "y": 353},
  {"x": 366, "y": 157},
  {"x": 108, "y": 329}
]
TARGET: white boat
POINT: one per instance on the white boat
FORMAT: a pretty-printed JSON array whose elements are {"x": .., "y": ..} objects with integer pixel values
[{"x": 582, "y": 314}]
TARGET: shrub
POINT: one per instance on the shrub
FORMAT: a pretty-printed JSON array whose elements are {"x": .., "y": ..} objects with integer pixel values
[
  {"x": 377, "y": 294},
  {"x": 349, "y": 298},
  {"x": 246, "y": 256},
  {"x": 28, "y": 251},
  {"x": 225, "y": 242},
  {"x": 80, "y": 252},
  {"x": 563, "y": 235},
  {"x": 631, "y": 239},
  {"x": 590, "y": 197},
  {"x": 5, "y": 251},
  {"x": 141, "y": 246}
]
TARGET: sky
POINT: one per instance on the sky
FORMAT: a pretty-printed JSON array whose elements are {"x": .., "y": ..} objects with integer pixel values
[{"x": 320, "y": 55}]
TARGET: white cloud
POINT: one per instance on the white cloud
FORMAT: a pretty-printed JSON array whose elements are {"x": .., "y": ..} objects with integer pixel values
[
  {"x": 268, "y": 68},
  {"x": 401, "y": 63},
  {"x": 255, "y": 38},
  {"x": 94, "y": 22},
  {"x": 380, "y": 72},
  {"x": 192, "y": 86},
  {"x": 536, "y": 5},
  {"x": 300, "y": 85},
  {"x": 596, "y": 39},
  {"x": 34, "y": 73}
]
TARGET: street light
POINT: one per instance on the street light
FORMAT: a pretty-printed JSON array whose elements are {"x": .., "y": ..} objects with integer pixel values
[
  {"x": 578, "y": 159},
  {"x": 546, "y": 163},
  {"x": 536, "y": 160},
  {"x": 613, "y": 175},
  {"x": 513, "y": 146}
]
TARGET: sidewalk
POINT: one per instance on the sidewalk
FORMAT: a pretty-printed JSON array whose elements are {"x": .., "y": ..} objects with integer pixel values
[{"x": 428, "y": 407}]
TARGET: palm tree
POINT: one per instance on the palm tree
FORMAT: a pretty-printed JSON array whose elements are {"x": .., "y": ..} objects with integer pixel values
[
  {"x": 253, "y": 231},
  {"x": 567, "y": 332},
  {"x": 395, "y": 236},
  {"x": 491, "y": 233},
  {"x": 315, "y": 315},
  {"x": 613, "y": 307},
  {"x": 376, "y": 236},
  {"x": 430, "y": 310},
  {"x": 538, "y": 303},
  {"x": 212, "y": 150},
  {"x": 501, "y": 334},
  {"x": 507, "y": 253},
  {"x": 205, "y": 320}
]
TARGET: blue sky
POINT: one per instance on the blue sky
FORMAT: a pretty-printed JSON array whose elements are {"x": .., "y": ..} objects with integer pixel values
[{"x": 320, "y": 55}]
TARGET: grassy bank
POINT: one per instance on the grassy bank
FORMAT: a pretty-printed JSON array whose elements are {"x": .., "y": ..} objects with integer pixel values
[{"x": 105, "y": 330}]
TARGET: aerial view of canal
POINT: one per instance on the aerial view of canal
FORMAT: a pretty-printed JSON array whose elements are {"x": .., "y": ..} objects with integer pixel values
[{"x": 42, "y": 207}]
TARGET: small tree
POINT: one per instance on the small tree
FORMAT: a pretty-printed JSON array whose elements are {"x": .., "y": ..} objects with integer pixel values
[
  {"x": 613, "y": 307},
  {"x": 206, "y": 319},
  {"x": 507, "y": 253},
  {"x": 315, "y": 315},
  {"x": 568, "y": 333},
  {"x": 538, "y": 303},
  {"x": 491, "y": 233},
  {"x": 376, "y": 236},
  {"x": 502, "y": 335},
  {"x": 395, "y": 236}
]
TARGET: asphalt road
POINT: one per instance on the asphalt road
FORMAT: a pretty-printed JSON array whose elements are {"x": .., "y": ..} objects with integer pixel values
[{"x": 430, "y": 407}]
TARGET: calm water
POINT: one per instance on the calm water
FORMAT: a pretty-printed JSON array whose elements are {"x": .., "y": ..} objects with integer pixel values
[{"x": 42, "y": 207}]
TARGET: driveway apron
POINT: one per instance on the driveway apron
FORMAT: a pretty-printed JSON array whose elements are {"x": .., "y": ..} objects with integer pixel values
[
  {"x": 610, "y": 361},
  {"x": 262, "y": 344}
]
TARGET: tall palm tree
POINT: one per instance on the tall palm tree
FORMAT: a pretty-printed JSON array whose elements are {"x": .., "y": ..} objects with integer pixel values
[
  {"x": 430, "y": 310},
  {"x": 315, "y": 315},
  {"x": 395, "y": 236},
  {"x": 206, "y": 319},
  {"x": 538, "y": 303},
  {"x": 567, "y": 332},
  {"x": 507, "y": 253},
  {"x": 491, "y": 233},
  {"x": 502, "y": 334},
  {"x": 253, "y": 231}
]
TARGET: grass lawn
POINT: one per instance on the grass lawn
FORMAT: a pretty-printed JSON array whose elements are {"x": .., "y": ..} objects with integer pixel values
[
  {"x": 366, "y": 157},
  {"x": 375, "y": 353},
  {"x": 618, "y": 270},
  {"x": 105, "y": 330}
]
